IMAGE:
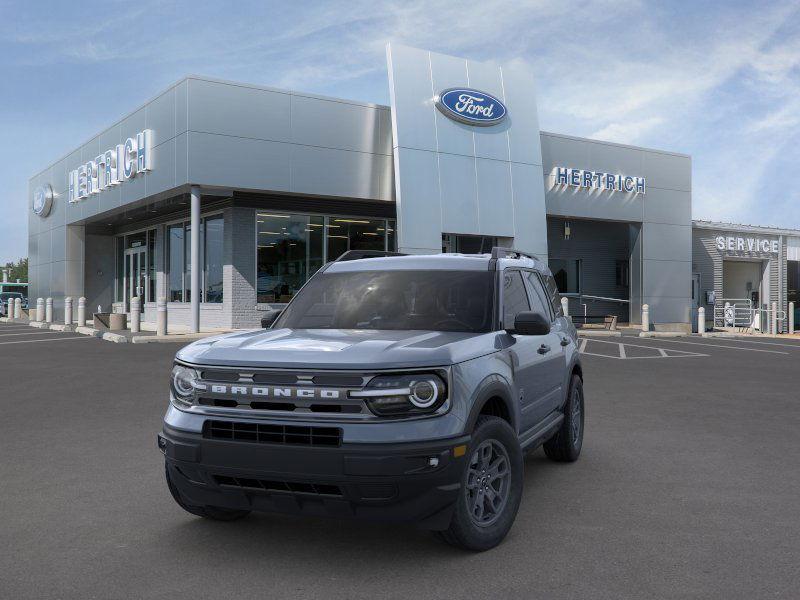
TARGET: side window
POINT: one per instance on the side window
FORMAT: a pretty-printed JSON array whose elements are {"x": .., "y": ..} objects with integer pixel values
[
  {"x": 515, "y": 299},
  {"x": 539, "y": 301},
  {"x": 552, "y": 292}
]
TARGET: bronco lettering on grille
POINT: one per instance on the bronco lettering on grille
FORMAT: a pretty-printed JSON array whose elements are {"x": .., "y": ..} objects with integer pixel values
[{"x": 275, "y": 392}]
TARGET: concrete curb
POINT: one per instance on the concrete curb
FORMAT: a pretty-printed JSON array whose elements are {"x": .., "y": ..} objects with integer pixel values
[
  {"x": 599, "y": 333},
  {"x": 39, "y": 324},
  {"x": 177, "y": 337},
  {"x": 62, "y": 327},
  {"x": 115, "y": 337},
  {"x": 89, "y": 331},
  {"x": 663, "y": 334}
]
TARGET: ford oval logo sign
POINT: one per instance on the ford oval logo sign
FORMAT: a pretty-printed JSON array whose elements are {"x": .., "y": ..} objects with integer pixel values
[
  {"x": 42, "y": 200},
  {"x": 471, "y": 106}
]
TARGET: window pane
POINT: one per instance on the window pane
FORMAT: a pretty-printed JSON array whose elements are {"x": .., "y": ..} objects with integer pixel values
[
  {"x": 151, "y": 266},
  {"x": 120, "y": 269},
  {"x": 345, "y": 234},
  {"x": 536, "y": 295},
  {"x": 567, "y": 274},
  {"x": 391, "y": 239},
  {"x": 555, "y": 297},
  {"x": 175, "y": 266},
  {"x": 416, "y": 300},
  {"x": 187, "y": 277},
  {"x": 289, "y": 252},
  {"x": 213, "y": 259},
  {"x": 515, "y": 299}
]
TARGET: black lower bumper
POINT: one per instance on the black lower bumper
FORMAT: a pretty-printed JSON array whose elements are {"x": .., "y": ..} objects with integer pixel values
[{"x": 402, "y": 482}]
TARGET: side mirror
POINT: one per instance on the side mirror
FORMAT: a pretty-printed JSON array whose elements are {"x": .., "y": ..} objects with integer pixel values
[
  {"x": 531, "y": 323},
  {"x": 269, "y": 318}
]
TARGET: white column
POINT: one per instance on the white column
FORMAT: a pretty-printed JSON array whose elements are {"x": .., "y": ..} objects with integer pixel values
[
  {"x": 774, "y": 328},
  {"x": 791, "y": 317},
  {"x": 81, "y": 312},
  {"x": 195, "y": 245},
  {"x": 40, "y": 309},
  {"x": 645, "y": 317},
  {"x": 161, "y": 316},
  {"x": 701, "y": 320},
  {"x": 17, "y": 308},
  {"x": 48, "y": 310},
  {"x": 565, "y": 306},
  {"x": 67, "y": 311},
  {"x": 136, "y": 314}
]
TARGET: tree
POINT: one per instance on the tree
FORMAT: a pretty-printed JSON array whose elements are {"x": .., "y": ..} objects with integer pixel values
[{"x": 19, "y": 270}]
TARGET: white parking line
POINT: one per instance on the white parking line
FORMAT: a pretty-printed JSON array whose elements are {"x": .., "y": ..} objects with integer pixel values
[
  {"x": 721, "y": 346},
  {"x": 623, "y": 354},
  {"x": 746, "y": 341},
  {"x": 32, "y": 332},
  {"x": 55, "y": 339}
]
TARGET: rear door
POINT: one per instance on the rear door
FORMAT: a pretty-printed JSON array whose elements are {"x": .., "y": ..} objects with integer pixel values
[
  {"x": 530, "y": 354},
  {"x": 558, "y": 340}
]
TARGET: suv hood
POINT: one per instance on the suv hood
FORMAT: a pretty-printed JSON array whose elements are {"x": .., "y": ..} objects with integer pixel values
[{"x": 339, "y": 348}]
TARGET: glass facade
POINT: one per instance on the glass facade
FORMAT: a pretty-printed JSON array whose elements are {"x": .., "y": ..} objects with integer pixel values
[
  {"x": 179, "y": 260},
  {"x": 291, "y": 248},
  {"x": 143, "y": 242}
]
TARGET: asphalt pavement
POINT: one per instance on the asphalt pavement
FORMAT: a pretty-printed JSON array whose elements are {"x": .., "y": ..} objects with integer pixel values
[{"x": 687, "y": 487}]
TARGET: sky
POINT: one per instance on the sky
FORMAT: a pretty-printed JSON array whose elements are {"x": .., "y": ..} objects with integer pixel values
[{"x": 717, "y": 80}]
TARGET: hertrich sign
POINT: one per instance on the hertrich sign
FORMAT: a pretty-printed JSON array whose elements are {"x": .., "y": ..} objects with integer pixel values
[
  {"x": 472, "y": 107},
  {"x": 732, "y": 243},
  {"x": 112, "y": 167},
  {"x": 600, "y": 180}
]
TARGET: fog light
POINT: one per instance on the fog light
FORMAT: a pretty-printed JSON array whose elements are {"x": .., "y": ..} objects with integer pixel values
[{"x": 433, "y": 461}]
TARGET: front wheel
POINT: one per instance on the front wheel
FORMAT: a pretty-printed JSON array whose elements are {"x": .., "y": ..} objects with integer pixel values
[
  {"x": 566, "y": 444},
  {"x": 491, "y": 488}
]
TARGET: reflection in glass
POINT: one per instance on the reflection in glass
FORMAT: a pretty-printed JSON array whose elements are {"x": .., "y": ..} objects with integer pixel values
[
  {"x": 175, "y": 266},
  {"x": 289, "y": 251},
  {"x": 213, "y": 259}
]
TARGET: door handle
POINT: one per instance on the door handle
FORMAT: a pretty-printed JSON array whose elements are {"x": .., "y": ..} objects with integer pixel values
[
  {"x": 565, "y": 341},
  {"x": 543, "y": 349}
]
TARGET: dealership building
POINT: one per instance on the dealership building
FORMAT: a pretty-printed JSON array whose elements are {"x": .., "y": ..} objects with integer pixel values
[{"x": 225, "y": 197}]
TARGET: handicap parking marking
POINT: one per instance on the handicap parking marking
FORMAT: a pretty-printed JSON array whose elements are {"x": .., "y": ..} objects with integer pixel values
[
  {"x": 623, "y": 354},
  {"x": 674, "y": 341}
]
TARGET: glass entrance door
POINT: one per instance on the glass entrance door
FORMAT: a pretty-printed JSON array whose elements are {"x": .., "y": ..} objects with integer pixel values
[{"x": 135, "y": 282}]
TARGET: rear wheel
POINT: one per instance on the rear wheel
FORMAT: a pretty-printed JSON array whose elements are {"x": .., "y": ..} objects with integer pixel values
[
  {"x": 216, "y": 513},
  {"x": 566, "y": 444},
  {"x": 491, "y": 488}
]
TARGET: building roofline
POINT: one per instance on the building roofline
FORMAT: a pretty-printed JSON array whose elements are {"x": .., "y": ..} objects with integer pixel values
[
  {"x": 211, "y": 80},
  {"x": 615, "y": 144},
  {"x": 765, "y": 229}
]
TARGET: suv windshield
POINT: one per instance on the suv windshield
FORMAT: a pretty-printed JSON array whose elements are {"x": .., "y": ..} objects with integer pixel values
[{"x": 419, "y": 300}]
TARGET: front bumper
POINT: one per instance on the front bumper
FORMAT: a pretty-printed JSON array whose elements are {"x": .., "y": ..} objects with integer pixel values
[{"x": 403, "y": 482}]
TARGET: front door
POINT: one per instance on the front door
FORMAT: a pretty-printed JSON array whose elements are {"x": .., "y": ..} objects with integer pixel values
[{"x": 135, "y": 281}]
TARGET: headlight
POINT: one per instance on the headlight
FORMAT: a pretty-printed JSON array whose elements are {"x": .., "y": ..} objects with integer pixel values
[
  {"x": 183, "y": 380},
  {"x": 404, "y": 394}
]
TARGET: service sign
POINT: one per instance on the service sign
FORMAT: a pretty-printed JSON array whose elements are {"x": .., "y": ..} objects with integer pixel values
[
  {"x": 112, "y": 167},
  {"x": 732, "y": 243},
  {"x": 599, "y": 180},
  {"x": 472, "y": 107}
]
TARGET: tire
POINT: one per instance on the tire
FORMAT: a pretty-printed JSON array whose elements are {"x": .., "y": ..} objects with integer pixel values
[
  {"x": 566, "y": 444},
  {"x": 216, "y": 513},
  {"x": 478, "y": 532}
]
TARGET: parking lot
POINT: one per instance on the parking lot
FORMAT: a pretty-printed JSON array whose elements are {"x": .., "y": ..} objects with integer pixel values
[{"x": 688, "y": 487}]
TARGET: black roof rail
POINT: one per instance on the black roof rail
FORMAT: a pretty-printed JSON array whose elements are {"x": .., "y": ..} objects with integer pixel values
[
  {"x": 359, "y": 254},
  {"x": 500, "y": 252}
]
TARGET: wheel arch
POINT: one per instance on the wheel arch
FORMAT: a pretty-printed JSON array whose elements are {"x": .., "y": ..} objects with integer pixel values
[{"x": 493, "y": 398}]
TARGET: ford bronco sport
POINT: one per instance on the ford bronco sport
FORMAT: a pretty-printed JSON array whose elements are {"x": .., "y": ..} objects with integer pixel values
[{"x": 402, "y": 388}]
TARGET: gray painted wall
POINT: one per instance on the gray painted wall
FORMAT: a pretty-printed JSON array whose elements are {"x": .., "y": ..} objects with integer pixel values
[
  {"x": 222, "y": 136},
  {"x": 664, "y": 212},
  {"x": 457, "y": 178}
]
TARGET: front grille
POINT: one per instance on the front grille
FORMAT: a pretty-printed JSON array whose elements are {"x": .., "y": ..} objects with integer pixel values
[
  {"x": 291, "y": 487},
  {"x": 267, "y": 433}
]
